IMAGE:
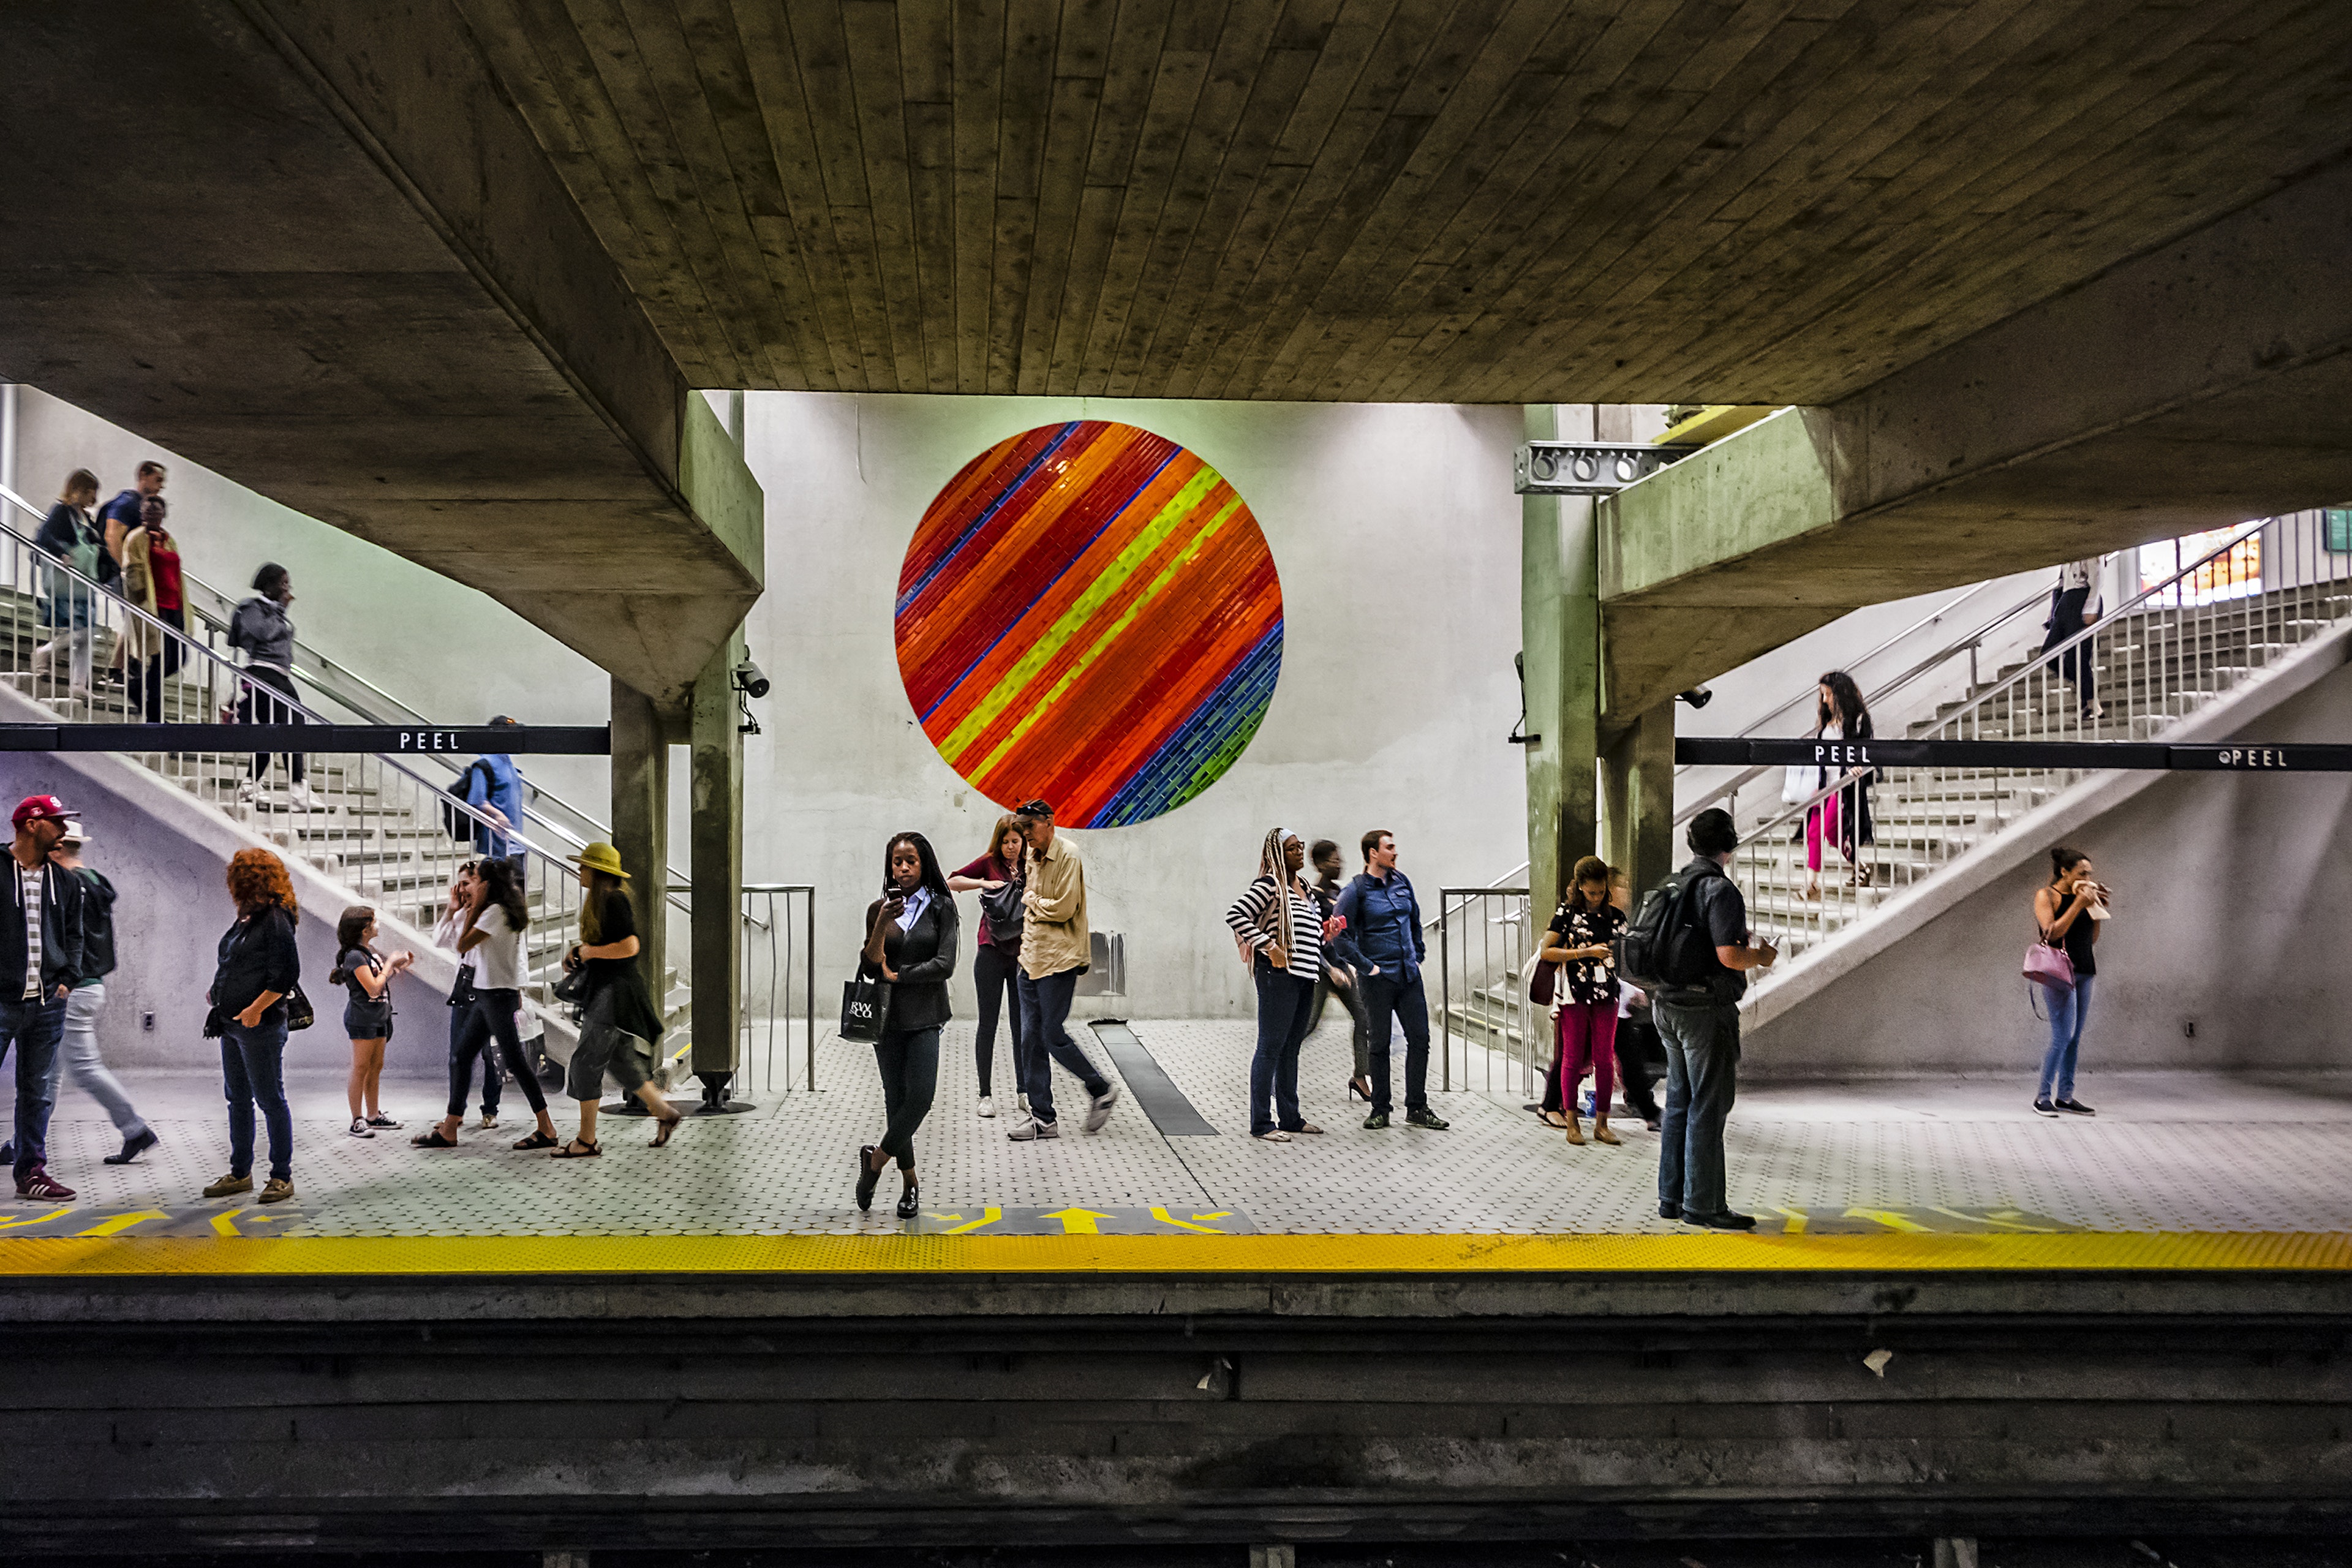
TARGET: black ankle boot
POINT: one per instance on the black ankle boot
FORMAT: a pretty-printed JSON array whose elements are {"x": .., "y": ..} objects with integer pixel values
[{"x": 910, "y": 1200}]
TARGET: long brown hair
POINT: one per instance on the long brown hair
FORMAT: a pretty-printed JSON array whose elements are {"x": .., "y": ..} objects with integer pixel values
[
  {"x": 1591, "y": 869},
  {"x": 602, "y": 886},
  {"x": 257, "y": 879},
  {"x": 1009, "y": 822}
]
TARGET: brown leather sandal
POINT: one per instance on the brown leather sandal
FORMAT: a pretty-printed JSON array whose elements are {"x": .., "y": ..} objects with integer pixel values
[{"x": 576, "y": 1149}]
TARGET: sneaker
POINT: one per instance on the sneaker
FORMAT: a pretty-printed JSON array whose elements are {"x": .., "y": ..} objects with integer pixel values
[
  {"x": 987, "y": 1105},
  {"x": 2094, "y": 710},
  {"x": 382, "y": 1120},
  {"x": 1722, "y": 1221},
  {"x": 247, "y": 792},
  {"x": 1023, "y": 1101},
  {"x": 490, "y": 1120},
  {"x": 2044, "y": 1107},
  {"x": 1031, "y": 1129},
  {"x": 278, "y": 1189},
  {"x": 1670, "y": 1211},
  {"x": 302, "y": 795},
  {"x": 40, "y": 1185},
  {"x": 1425, "y": 1118},
  {"x": 228, "y": 1186},
  {"x": 1378, "y": 1122},
  {"x": 1099, "y": 1108},
  {"x": 138, "y": 1143},
  {"x": 361, "y": 1130},
  {"x": 8, "y": 1154},
  {"x": 2074, "y": 1108}
]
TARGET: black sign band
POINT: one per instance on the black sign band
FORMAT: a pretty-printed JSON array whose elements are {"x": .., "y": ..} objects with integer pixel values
[
  {"x": 391, "y": 740},
  {"x": 2088, "y": 755}
]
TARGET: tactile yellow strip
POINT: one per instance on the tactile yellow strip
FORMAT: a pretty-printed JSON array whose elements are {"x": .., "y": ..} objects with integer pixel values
[{"x": 1238, "y": 1254}]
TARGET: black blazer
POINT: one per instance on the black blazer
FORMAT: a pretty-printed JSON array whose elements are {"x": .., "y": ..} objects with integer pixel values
[{"x": 924, "y": 956}]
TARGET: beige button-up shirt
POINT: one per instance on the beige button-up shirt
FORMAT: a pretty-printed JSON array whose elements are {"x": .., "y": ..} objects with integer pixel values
[{"x": 1053, "y": 935}]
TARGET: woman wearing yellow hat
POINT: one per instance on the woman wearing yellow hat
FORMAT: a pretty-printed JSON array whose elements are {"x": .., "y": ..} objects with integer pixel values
[{"x": 619, "y": 1026}]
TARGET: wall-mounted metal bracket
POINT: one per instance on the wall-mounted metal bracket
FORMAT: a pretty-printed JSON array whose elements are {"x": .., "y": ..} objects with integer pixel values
[{"x": 1587, "y": 467}]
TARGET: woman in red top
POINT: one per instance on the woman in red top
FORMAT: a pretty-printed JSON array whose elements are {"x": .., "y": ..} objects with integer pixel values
[
  {"x": 150, "y": 572},
  {"x": 997, "y": 960}
]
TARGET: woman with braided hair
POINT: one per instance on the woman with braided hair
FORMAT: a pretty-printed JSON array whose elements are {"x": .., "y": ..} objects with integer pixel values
[{"x": 1278, "y": 927}]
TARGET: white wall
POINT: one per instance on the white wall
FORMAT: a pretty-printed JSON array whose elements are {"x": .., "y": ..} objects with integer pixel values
[{"x": 1396, "y": 535}]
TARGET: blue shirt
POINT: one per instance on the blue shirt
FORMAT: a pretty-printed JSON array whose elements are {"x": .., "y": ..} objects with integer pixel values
[
  {"x": 123, "y": 508},
  {"x": 917, "y": 902},
  {"x": 1385, "y": 920},
  {"x": 503, "y": 789}
]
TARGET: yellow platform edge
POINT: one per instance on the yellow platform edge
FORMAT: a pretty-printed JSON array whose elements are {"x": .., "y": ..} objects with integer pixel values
[{"x": 1197, "y": 1254}]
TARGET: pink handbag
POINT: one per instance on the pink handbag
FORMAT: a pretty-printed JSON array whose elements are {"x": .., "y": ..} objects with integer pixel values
[{"x": 2048, "y": 965}]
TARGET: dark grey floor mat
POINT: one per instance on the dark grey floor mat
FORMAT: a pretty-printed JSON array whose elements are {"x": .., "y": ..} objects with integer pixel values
[{"x": 1160, "y": 1099}]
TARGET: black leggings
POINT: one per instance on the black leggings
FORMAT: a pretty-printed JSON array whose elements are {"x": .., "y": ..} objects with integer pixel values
[
  {"x": 492, "y": 1016},
  {"x": 994, "y": 973},
  {"x": 256, "y": 707}
]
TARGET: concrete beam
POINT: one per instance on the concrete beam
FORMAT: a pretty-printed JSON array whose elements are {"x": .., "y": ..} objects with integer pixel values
[
  {"x": 2199, "y": 386},
  {"x": 376, "y": 305}
]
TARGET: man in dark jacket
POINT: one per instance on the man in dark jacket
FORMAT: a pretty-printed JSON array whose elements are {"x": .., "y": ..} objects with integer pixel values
[
  {"x": 77, "y": 1053},
  {"x": 40, "y": 962}
]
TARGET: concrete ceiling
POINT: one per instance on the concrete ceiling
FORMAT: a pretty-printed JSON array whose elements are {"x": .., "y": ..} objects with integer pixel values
[{"x": 1746, "y": 201}]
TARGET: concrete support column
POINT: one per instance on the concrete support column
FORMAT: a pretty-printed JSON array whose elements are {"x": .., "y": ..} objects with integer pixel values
[
  {"x": 641, "y": 823},
  {"x": 1559, "y": 641},
  {"x": 717, "y": 830},
  {"x": 1637, "y": 783}
]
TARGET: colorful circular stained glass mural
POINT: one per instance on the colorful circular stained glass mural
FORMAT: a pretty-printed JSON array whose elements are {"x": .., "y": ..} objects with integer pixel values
[{"x": 1089, "y": 613}]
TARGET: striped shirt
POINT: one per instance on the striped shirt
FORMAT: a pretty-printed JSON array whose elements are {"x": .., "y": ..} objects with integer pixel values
[
  {"x": 28, "y": 890},
  {"x": 1248, "y": 918}
]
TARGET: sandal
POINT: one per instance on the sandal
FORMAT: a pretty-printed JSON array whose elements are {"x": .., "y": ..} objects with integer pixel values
[
  {"x": 576, "y": 1149},
  {"x": 668, "y": 1124},
  {"x": 432, "y": 1140},
  {"x": 1276, "y": 1136},
  {"x": 536, "y": 1141}
]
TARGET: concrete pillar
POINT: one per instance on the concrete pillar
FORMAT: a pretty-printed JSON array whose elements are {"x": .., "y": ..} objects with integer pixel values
[
  {"x": 717, "y": 830},
  {"x": 1637, "y": 781},
  {"x": 641, "y": 823},
  {"x": 1560, "y": 639}
]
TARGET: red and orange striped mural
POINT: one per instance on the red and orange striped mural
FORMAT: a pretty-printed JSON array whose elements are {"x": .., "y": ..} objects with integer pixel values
[{"x": 1089, "y": 613}]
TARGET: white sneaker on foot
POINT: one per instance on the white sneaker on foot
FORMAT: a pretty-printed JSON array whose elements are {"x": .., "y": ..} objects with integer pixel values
[
  {"x": 246, "y": 791},
  {"x": 1032, "y": 1130},
  {"x": 302, "y": 795},
  {"x": 987, "y": 1105},
  {"x": 1099, "y": 1108}
]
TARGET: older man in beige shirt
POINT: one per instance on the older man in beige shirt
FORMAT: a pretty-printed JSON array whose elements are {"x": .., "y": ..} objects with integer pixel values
[{"x": 1056, "y": 949}]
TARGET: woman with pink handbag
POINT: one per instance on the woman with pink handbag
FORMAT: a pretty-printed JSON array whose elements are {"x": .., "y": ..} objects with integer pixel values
[{"x": 2067, "y": 912}]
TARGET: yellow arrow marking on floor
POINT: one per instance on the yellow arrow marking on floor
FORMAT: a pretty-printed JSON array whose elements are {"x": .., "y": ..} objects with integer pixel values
[
  {"x": 1796, "y": 1225},
  {"x": 1891, "y": 1218},
  {"x": 122, "y": 1222},
  {"x": 2008, "y": 1217},
  {"x": 226, "y": 1223},
  {"x": 1164, "y": 1217},
  {"x": 34, "y": 1219},
  {"x": 1078, "y": 1222},
  {"x": 987, "y": 1217}
]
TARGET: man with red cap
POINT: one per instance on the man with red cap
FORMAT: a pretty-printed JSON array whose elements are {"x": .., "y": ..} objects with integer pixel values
[{"x": 40, "y": 962}]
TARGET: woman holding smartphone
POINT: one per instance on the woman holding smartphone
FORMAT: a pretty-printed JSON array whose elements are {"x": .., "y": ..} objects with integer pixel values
[
  {"x": 911, "y": 934},
  {"x": 2068, "y": 913}
]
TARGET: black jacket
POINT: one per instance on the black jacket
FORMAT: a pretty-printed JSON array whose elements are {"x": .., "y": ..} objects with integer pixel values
[
  {"x": 924, "y": 956},
  {"x": 61, "y": 940},
  {"x": 257, "y": 955},
  {"x": 96, "y": 924}
]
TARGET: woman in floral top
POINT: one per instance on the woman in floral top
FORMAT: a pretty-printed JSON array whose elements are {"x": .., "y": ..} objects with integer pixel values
[{"x": 1579, "y": 941}]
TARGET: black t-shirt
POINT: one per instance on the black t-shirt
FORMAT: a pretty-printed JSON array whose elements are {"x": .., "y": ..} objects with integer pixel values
[
  {"x": 617, "y": 922},
  {"x": 2077, "y": 941},
  {"x": 1722, "y": 913},
  {"x": 1590, "y": 981}
]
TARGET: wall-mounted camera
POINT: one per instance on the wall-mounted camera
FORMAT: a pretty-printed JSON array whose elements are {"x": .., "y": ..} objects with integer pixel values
[
  {"x": 750, "y": 680},
  {"x": 1697, "y": 697}
]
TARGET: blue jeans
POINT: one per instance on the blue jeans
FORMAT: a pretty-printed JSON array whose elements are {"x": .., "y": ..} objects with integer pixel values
[
  {"x": 253, "y": 1070},
  {"x": 1044, "y": 1032},
  {"x": 1390, "y": 999},
  {"x": 2067, "y": 1011},
  {"x": 34, "y": 1029},
  {"x": 1702, "y": 1040},
  {"x": 1284, "y": 1003}
]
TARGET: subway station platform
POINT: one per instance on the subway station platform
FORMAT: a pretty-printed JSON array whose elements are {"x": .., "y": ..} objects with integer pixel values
[{"x": 2177, "y": 1171}]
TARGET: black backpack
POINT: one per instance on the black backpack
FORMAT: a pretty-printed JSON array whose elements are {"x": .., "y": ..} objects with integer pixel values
[
  {"x": 1664, "y": 947},
  {"x": 458, "y": 822}
]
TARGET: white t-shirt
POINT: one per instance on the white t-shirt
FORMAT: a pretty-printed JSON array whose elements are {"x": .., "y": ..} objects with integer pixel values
[{"x": 497, "y": 963}]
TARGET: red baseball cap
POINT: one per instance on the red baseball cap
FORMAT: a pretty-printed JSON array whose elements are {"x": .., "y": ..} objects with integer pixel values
[{"x": 40, "y": 807}]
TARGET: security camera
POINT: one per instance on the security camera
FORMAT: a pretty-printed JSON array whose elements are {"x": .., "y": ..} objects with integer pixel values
[
  {"x": 1697, "y": 696},
  {"x": 750, "y": 680}
]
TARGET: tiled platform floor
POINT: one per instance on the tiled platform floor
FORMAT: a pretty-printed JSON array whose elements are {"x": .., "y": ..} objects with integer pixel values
[{"x": 2169, "y": 1152}]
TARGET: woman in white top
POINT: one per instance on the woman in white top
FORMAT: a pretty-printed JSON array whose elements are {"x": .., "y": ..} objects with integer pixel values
[
  {"x": 1843, "y": 818},
  {"x": 455, "y": 913},
  {"x": 1279, "y": 926},
  {"x": 495, "y": 921}
]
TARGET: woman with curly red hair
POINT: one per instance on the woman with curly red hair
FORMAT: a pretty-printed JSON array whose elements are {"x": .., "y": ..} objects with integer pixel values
[{"x": 258, "y": 967}]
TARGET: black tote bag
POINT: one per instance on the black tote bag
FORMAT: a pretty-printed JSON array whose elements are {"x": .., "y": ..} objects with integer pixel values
[{"x": 864, "y": 1004}]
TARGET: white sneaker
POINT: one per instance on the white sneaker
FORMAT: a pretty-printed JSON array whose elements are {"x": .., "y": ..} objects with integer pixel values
[
  {"x": 246, "y": 791},
  {"x": 302, "y": 795},
  {"x": 987, "y": 1105},
  {"x": 1024, "y": 1104},
  {"x": 1098, "y": 1109},
  {"x": 1032, "y": 1130}
]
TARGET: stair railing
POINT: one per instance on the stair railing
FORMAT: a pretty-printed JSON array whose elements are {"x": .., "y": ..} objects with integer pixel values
[{"x": 2166, "y": 652}]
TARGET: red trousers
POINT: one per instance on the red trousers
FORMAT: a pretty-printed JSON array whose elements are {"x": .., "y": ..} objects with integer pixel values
[{"x": 1587, "y": 1042}]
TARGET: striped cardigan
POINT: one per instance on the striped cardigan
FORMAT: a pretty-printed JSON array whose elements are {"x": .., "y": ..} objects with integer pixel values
[{"x": 1248, "y": 918}]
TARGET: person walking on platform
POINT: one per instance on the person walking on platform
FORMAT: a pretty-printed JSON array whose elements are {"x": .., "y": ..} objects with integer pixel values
[
  {"x": 1843, "y": 817},
  {"x": 262, "y": 629},
  {"x": 78, "y": 1052},
  {"x": 2068, "y": 914},
  {"x": 41, "y": 927},
  {"x": 69, "y": 608},
  {"x": 1584, "y": 999},
  {"x": 448, "y": 932},
  {"x": 996, "y": 956},
  {"x": 258, "y": 967},
  {"x": 1279, "y": 926},
  {"x": 1699, "y": 1022},
  {"x": 620, "y": 1028},
  {"x": 367, "y": 1016},
  {"x": 1056, "y": 949},
  {"x": 912, "y": 935},
  {"x": 1379, "y": 908},
  {"x": 1342, "y": 965},
  {"x": 488, "y": 940}
]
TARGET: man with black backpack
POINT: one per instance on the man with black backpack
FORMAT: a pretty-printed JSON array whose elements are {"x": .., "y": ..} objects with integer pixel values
[{"x": 1690, "y": 948}]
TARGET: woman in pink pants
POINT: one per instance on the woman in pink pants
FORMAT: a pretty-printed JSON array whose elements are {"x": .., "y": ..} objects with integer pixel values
[{"x": 1579, "y": 941}]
